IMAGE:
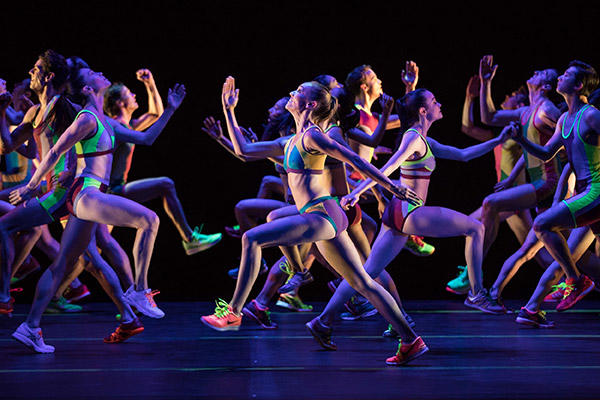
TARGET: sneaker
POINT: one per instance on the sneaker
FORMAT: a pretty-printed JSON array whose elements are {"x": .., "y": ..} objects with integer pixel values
[
  {"x": 537, "y": 319},
  {"x": 259, "y": 314},
  {"x": 418, "y": 247},
  {"x": 73, "y": 295},
  {"x": 390, "y": 332},
  {"x": 200, "y": 242},
  {"x": 233, "y": 231},
  {"x": 575, "y": 291},
  {"x": 295, "y": 281},
  {"x": 32, "y": 338},
  {"x": 294, "y": 303},
  {"x": 125, "y": 331},
  {"x": 408, "y": 352},
  {"x": 483, "y": 302},
  {"x": 321, "y": 333},
  {"x": 62, "y": 306},
  {"x": 143, "y": 301},
  {"x": 233, "y": 273},
  {"x": 358, "y": 309},
  {"x": 558, "y": 292},
  {"x": 6, "y": 307},
  {"x": 223, "y": 319},
  {"x": 460, "y": 284},
  {"x": 333, "y": 285}
]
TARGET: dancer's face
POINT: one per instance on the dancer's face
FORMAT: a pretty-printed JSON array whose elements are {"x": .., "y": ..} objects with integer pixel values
[
  {"x": 37, "y": 76},
  {"x": 511, "y": 102},
  {"x": 128, "y": 99},
  {"x": 374, "y": 88},
  {"x": 539, "y": 78},
  {"x": 433, "y": 109},
  {"x": 2, "y": 86},
  {"x": 94, "y": 79},
  {"x": 277, "y": 109},
  {"x": 567, "y": 83},
  {"x": 297, "y": 101}
]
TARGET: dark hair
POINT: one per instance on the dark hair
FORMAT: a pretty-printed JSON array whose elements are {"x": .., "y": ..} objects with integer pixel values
[
  {"x": 76, "y": 84},
  {"x": 408, "y": 107},
  {"x": 586, "y": 75},
  {"x": 52, "y": 62},
  {"x": 594, "y": 98},
  {"x": 347, "y": 115},
  {"x": 522, "y": 95},
  {"x": 282, "y": 124},
  {"x": 111, "y": 97},
  {"x": 327, "y": 104},
  {"x": 355, "y": 78},
  {"x": 325, "y": 80},
  {"x": 75, "y": 62}
]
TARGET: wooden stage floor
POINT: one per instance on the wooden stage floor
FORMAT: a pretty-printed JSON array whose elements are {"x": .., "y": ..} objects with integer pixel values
[{"x": 472, "y": 356}]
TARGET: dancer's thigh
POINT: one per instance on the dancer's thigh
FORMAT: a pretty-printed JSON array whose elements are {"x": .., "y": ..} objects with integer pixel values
[
  {"x": 438, "y": 222},
  {"x": 93, "y": 205},
  {"x": 144, "y": 190}
]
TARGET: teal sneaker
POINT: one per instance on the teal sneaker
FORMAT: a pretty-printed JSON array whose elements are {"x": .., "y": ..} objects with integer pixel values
[
  {"x": 460, "y": 284},
  {"x": 62, "y": 306},
  {"x": 200, "y": 242}
]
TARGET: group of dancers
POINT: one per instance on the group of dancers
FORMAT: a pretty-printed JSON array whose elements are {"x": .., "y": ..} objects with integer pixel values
[{"x": 321, "y": 139}]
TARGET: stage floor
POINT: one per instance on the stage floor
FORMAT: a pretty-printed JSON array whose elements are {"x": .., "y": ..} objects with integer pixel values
[{"x": 472, "y": 356}]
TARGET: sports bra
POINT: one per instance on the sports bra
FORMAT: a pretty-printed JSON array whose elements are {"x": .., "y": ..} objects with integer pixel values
[
  {"x": 94, "y": 147},
  {"x": 300, "y": 160},
  {"x": 421, "y": 168}
]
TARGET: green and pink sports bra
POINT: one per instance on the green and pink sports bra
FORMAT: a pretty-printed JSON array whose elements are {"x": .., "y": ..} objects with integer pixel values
[{"x": 422, "y": 167}]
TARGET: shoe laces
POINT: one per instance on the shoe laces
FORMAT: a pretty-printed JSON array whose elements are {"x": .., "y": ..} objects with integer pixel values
[
  {"x": 285, "y": 267},
  {"x": 150, "y": 297},
  {"x": 418, "y": 240},
  {"x": 222, "y": 308},
  {"x": 568, "y": 289},
  {"x": 560, "y": 286},
  {"x": 461, "y": 270},
  {"x": 196, "y": 232},
  {"x": 16, "y": 290}
]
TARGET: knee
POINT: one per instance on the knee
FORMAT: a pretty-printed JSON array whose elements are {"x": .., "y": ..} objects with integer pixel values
[
  {"x": 167, "y": 185},
  {"x": 272, "y": 216},
  {"x": 477, "y": 229},
  {"x": 268, "y": 180},
  {"x": 540, "y": 225},
  {"x": 240, "y": 206},
  {"x": 249, "y": 240},
  {"x": 150, "y": 221},
  {"x": 490, "y": 204}
]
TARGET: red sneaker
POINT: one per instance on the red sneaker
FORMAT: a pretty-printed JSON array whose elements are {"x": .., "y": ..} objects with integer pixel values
[
  {"x": 223, "y": 319},
  {"x": 558, "y": 292},
  {"x": 75, "y": 294},
  {"x": 408, "y": 352},
  {"x": 575, "y": 291},
  {"x": 125, "y": 331},
  {"x": 6, "y": 308}
]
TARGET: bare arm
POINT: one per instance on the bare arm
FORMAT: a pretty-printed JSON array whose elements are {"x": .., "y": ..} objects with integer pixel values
[
  {"x": 468, "y": 153},
  {"x": 147, "y": 137},
  {"x": 9, "y": 142},
  {"x": 214, "y": 130},
  {"x": 489, "y": 114},
  {"x": 155, "y": 105},
  {"x": 508, "y": 182},
  {"x": 546, "y": 152},
  {"x": 387, "y": 104},
  {"x": 563, "y": 180},
  {"x": 468, "y": 126}
]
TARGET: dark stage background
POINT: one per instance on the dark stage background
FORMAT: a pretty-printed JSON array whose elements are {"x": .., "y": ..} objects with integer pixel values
[{"x": 271, "y": 47}]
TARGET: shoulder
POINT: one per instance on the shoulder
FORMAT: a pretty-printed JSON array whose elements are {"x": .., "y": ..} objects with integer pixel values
[
  {"x": 30, "y": 114},
  {"x": 85, "y": 119}
]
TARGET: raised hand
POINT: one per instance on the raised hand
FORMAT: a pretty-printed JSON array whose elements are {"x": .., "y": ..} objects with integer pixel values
[
  {"x": 410, "y": 74},
  {"x": 5, "y": 99},
  {"x": 249, "y": 134},
  {"x": 144, "y": 75},
  {"x": 349, "y": 200},
  {"x": 230, "y": 95},
  {"x": 387, "y": 103},
  {"x": 176, "y": 96},
  {"x": 473, "y": 87},
  {"x": 487, "y": 69},
  {"x": 213, "y": 128}
]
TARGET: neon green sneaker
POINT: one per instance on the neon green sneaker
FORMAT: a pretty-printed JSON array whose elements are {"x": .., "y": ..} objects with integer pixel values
[
  {"x": 294, "y": 303},
  {"x": 418, "y": 247},
  {"x": 62, "y": 306},
  {"x": 460, "y": 284},
  {"x": 200, "y": 242}
]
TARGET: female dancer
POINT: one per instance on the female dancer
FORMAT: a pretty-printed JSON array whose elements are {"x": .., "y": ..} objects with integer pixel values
[
  {"x": 93, "y": 135},
  {"x": 416, "y": 158},
  {"x": 321, "y": 220}
]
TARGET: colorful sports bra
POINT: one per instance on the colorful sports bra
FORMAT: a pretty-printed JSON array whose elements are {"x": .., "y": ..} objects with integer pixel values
[
  {"x": 300, "y": 160},
  {"x": 421, "y": 168},
  {"x": 535, "y": 167},
  {"x": 97, "y": 145},
  {"x": 367, "y": 119}
]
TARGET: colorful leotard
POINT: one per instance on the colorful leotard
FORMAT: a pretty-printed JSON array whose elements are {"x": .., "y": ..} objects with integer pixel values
[
  {"x": 368, "y": 123},
  {"x": 121, "y": 165},
  {"x": 97, "y": 145},
  {"x": 585, "y": 160},
  {"x": 18, "y": 170},
  {"x": 542, "y": 175},
  {"x": 397, "y": 211},
  {"x": 300, "y": 160},
  {"x": 506, "y": 156}
]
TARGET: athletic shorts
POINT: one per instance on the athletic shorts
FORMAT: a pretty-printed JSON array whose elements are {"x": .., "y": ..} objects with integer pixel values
[
  {"x": 329, "y": 208},
  {"x": 82, "y": 183},
  {"x": 354, "y": 215},
  {"x": 585, "y": 205},
  {"x": 396, "y": 212}
]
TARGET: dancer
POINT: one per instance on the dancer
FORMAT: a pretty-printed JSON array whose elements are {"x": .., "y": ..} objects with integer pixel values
[
  {"x": 578, "y": 131},
  {"x": 120, "y": 104},
  {"x": 321, "y": 220},
  {"x": 93, "y": 135}
]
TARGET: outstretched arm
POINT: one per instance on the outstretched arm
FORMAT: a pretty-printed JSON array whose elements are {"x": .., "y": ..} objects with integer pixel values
[
  {"x": 155, "y": 105},
  {"x": 264, "y": 149},
  {"x": 546, "y": 152},
  {"x": 9, "y": 142},
  {"x": 489, "y": 114},
  {"x": 315, "y": 139},
  {"x": 469, "y": 153},
  {"x": 468, "y": 127},
  {"x": 147, "y": 137},
  {"x": 214, "y": 130}
]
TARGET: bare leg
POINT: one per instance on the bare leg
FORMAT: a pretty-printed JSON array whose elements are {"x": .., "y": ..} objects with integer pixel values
[
  {"x": 115, "y": 255},
  {"x": 249, "y": 212},
  {"x": 270, "y": 186}
]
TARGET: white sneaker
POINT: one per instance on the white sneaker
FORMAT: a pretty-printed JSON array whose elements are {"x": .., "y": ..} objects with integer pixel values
[
  {"x": 144, "y": 302},
  {"x": 32, "y": 338}
]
